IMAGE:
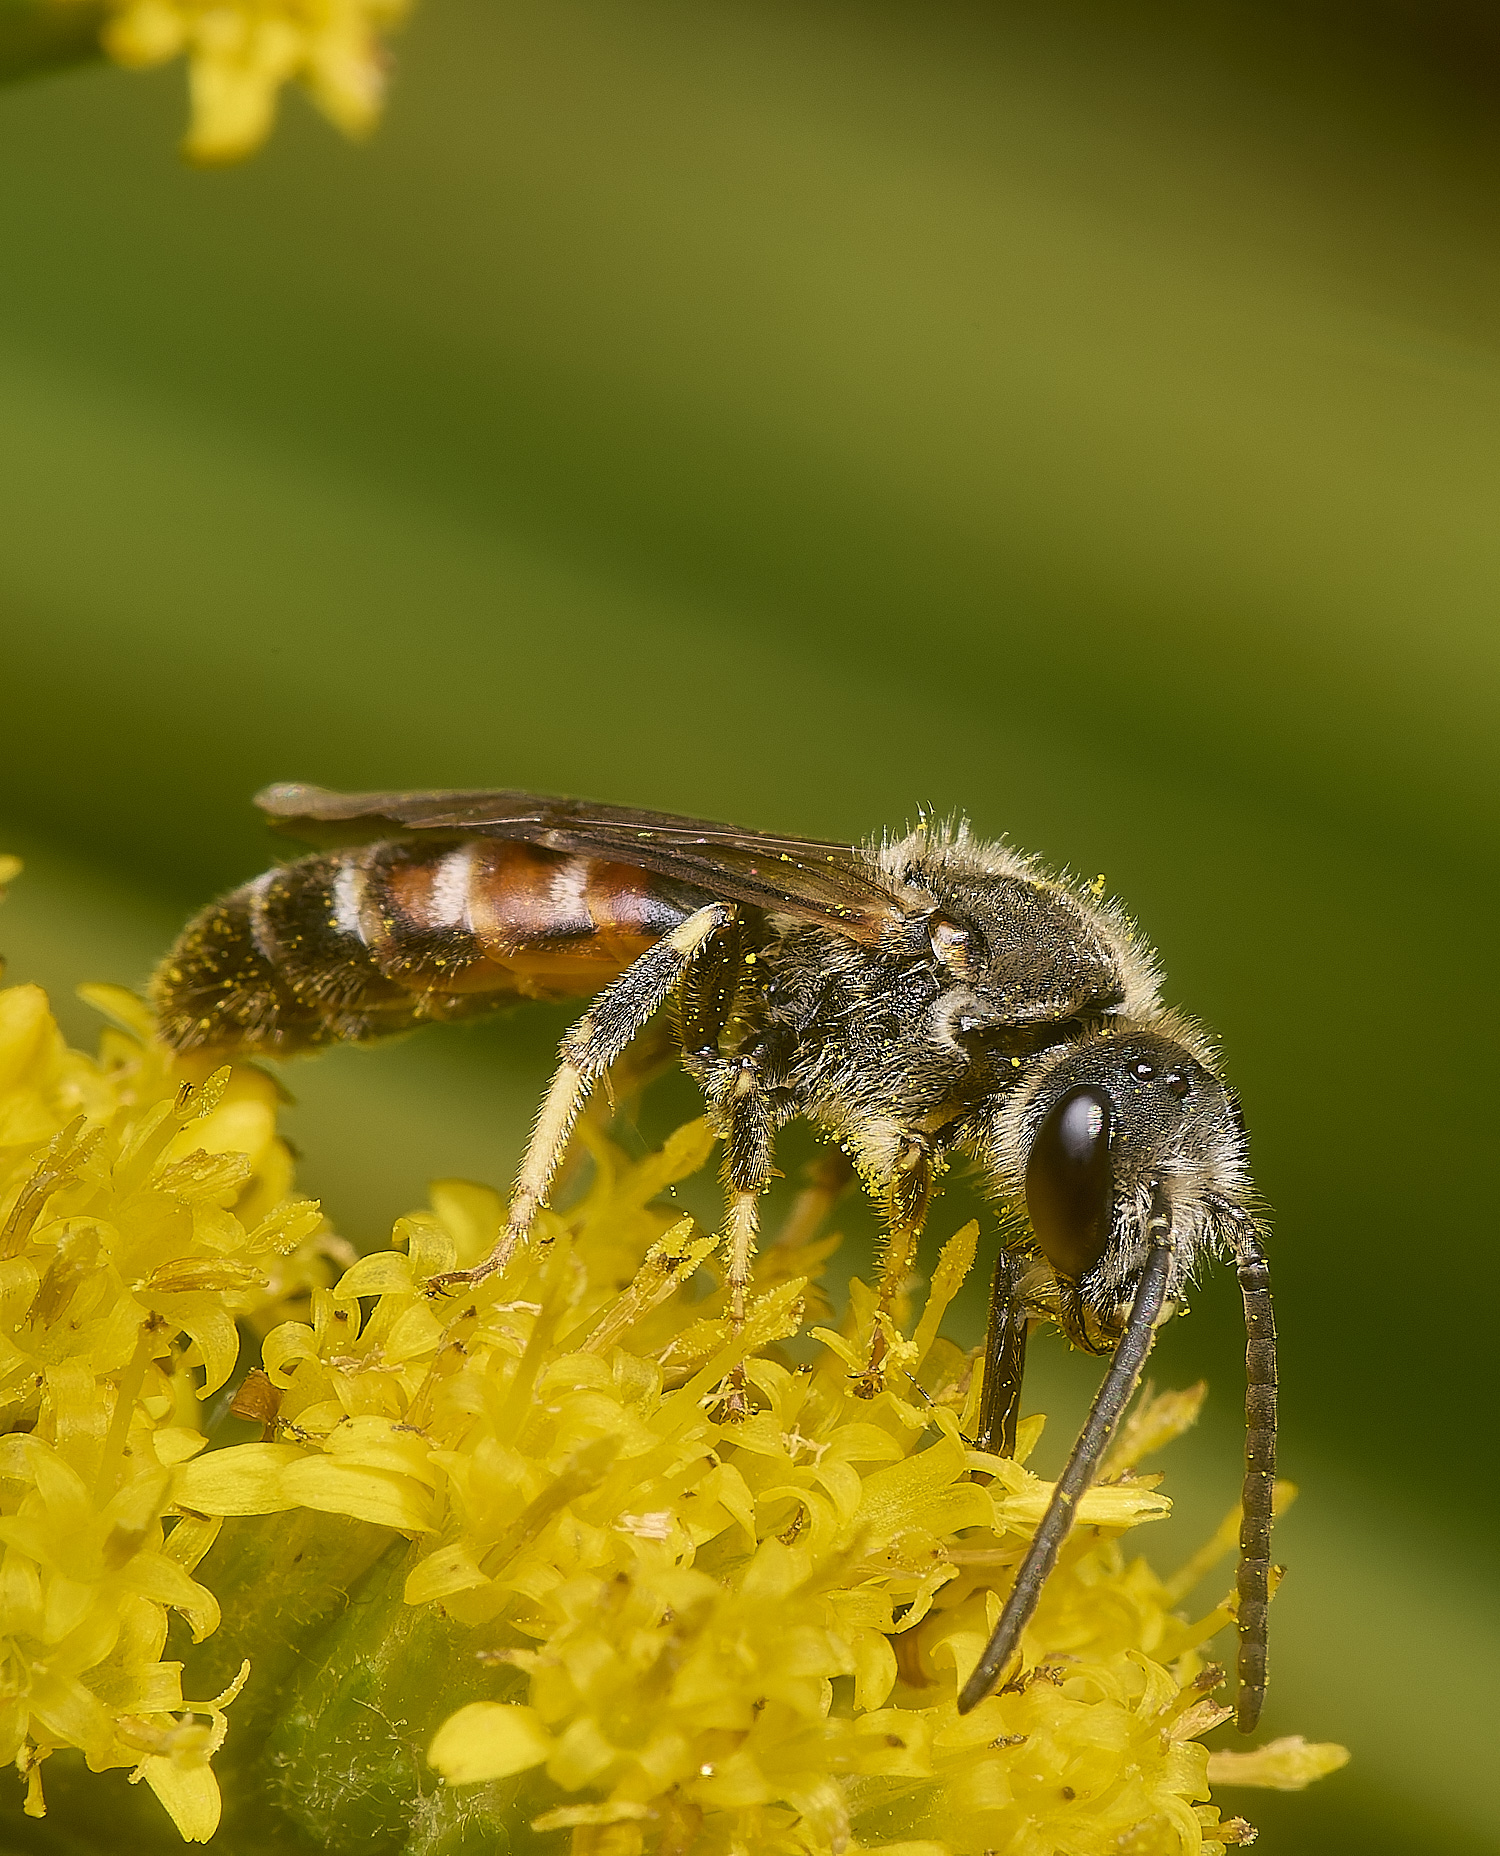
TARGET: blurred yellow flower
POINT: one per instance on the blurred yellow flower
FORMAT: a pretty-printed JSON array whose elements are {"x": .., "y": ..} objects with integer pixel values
[
  {"x": 241, "y": 52},
  {"x": 691, "y": 1635}
]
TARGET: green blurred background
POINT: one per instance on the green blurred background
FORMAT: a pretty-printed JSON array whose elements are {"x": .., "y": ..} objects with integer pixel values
[{"x": 800, "y": 413}]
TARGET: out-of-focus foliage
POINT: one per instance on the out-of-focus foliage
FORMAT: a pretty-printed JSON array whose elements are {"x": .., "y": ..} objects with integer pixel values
[{"x": 38, "y": 35}]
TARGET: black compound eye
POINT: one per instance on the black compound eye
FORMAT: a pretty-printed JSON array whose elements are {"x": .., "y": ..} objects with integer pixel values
[{"x": 1069, "y": 1183}]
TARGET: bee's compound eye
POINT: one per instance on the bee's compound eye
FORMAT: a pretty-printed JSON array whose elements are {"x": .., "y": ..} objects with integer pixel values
[{"x": 1069, "y": 1184}]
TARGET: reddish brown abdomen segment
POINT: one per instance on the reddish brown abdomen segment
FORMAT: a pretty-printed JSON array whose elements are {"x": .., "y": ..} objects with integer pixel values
[{"x": 355, "y": 944}]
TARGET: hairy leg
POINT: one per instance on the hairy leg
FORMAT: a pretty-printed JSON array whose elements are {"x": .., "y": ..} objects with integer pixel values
[
  {"x": 901, "y": 1191},
  {"x": 588, "y": 1049}
]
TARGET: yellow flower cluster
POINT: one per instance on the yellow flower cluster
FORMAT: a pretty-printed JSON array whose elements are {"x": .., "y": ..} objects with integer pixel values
[
  {"x": 139, "y": 1218},
  {"x": 694, "y": 1630},
  {"x": 241, "y": 52},
  {"x": 736, "y": 1633}
]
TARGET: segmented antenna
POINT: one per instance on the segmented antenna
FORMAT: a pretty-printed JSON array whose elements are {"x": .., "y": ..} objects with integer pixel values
[
  {"x": 1254, "y": 1580},
  {"x": 1093, "y": 1441}
]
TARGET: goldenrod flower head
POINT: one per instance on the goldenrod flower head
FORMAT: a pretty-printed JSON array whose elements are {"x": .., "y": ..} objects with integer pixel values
[
  {"x": 653, "y": 1623},
  {"x": 139, "y": 1217},
  {"x": 241, "y": 52}
]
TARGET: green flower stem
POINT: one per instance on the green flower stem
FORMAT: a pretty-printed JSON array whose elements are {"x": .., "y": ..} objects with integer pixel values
[{"x": 44, "y": 35}]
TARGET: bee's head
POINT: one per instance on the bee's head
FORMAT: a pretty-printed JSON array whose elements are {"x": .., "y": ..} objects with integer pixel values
[{"x": 1103, "y": 1130}]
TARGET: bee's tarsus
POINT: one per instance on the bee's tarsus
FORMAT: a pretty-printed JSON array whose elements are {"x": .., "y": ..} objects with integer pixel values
[{"x": 1004, "y": 1365}]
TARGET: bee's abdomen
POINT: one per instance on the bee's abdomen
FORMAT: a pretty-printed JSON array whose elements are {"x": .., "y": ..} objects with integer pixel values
[{"x": 354, "y": 944}]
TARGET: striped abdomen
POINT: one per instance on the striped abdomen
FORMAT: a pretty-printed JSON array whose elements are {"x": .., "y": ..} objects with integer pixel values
[{"x": 353, "y": 944}]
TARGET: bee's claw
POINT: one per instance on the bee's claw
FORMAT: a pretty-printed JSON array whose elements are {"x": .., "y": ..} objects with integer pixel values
[
  {"x": 730, "y": 1403},
  {"x": 451, "y": 1280},
  {"x": 871, "y": 1382}
]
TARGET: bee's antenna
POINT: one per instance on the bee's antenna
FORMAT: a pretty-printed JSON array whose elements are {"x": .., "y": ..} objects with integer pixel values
[
  {"x": 1253, "y": 1583},
  {"x": 1113, "y": 1396}
]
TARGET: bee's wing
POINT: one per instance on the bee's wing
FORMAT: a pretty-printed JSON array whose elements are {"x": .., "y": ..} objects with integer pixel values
[{"x": 832, "y": 885}]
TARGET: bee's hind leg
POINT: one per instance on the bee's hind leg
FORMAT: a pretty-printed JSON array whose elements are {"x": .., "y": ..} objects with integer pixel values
[{"x": 588, "y": 1048}]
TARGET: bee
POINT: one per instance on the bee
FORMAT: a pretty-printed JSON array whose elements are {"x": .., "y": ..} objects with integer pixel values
[{"x": 917, "y": 999}]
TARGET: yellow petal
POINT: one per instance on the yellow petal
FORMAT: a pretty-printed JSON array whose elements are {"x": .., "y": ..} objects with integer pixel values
[
  {"x": 190, "y": 1794},
  {"x": 429, "y": 1246},
  {"x": 449, "y": 1569},
  {"x": 874, "y": 1669},
  {"x": 380, "y": 1495},
  {"x": 244, "y": 1479},
  {"x": 925, "y": 1491},
  {"x": 384, "y": 1272},
  {"x": 574, "y": 1816},
  {"x": 183, "y": 1275},
  {"x": 919, "y": 1846},
  {"x": 471, "y": 1214},
  {"x": 1286, "y": 1765},
  {"x": 488, "y": 1740},
  {"x": 953, "y": 1266},
  {"x": 175, "y": 1443},
  {"x": 126, "y": 1009},
  {"x": 208, "y": 1322},
  {"x": 27, "y": 1033}
]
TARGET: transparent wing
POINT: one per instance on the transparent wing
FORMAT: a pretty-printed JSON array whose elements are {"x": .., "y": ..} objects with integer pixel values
[{"x": 832, "y": 885}]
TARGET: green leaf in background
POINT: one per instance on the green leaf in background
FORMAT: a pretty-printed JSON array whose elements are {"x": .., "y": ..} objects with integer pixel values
[{"x": 40, "y": 35}]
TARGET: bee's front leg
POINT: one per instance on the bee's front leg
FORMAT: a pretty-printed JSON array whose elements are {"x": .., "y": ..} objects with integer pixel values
[{"x": 1004, "y": 1358}]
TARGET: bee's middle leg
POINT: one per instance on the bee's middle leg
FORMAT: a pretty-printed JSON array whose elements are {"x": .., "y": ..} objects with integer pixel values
[
  {"x": 734, "y": 1089},
  {"x": 902, "y": 1192},
  {"x": 903, "y": 1196},
  {"x": 740, "y": 1110},
  {"x": 1004, "y": 1366},
  {"x": 747, "y": 1125}
]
